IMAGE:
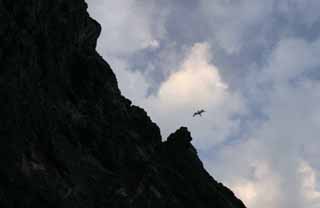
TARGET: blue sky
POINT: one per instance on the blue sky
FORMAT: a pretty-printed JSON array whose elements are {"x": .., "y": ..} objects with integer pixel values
[{"x": 252, "y": 64}]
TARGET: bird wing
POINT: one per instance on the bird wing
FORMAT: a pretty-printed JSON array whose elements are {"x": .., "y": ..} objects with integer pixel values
[{"x": 199, "y": 112}]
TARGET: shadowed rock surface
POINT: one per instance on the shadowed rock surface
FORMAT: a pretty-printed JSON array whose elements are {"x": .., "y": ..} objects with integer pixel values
[{"x": 68, "y": 138}]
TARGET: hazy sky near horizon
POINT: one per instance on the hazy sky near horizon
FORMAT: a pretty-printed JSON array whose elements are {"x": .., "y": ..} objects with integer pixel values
[{"x": 253, "y": 65}]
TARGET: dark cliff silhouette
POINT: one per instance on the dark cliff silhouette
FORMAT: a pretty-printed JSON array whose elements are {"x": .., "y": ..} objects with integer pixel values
[{"x": 67, "y": 136}]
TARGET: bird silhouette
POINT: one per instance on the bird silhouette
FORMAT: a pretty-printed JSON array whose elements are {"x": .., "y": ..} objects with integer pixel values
[{"x": 198, "y": 113}]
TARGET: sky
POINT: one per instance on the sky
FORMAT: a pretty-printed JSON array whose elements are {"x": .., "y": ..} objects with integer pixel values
[{"x": 253, "y": 65}]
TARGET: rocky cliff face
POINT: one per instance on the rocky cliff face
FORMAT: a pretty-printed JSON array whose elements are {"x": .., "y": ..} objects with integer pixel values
[{"x": 67, "y": 136}]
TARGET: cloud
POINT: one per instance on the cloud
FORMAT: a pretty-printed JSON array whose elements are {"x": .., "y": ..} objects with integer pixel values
[
  {"x": 296, "y": 10},
  {"x": 196, "y": 84},
  {"x": 252, "y": 65},
  {"x": 263, "y": 181},
  {"x": 128, "y": 25},
  {"x": 232, "y": 22},
  {"x": 309, "y": 184},
  {"x": 133, "y": 84},
  {"x": 281, "y": 144},
  {"x": 257, "y": 25},
  {"x": 291, "y": 58}
]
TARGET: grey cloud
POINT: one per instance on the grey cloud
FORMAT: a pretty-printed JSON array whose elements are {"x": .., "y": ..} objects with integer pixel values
[
  {"x": 289, "y": 133},
  {"x": 264, "y": 140}
]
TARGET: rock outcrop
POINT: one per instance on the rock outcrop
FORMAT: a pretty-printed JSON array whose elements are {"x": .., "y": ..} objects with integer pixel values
[{"x": 68, "y": 138}]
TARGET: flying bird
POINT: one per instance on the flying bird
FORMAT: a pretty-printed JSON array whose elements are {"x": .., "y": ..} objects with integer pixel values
[{"x": 199, "y": 113}]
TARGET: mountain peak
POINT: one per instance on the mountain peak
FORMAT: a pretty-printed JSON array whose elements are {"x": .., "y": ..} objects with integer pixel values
[{"x": 181, "y": 135}]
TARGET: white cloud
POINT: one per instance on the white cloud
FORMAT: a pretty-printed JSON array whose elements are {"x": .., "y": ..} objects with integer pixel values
[
  {"x": 291, "y": 129},
  {"x": 309, "y": 184},
  {"x": 196, "y": 84},
  {"x": 260, "y": 191},
  {"x": 127, "y": 25},
  {"x": 275, "y": 161}
]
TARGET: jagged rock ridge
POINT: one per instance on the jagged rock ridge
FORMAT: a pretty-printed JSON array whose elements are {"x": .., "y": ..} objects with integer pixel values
[{"x": 67, "y": 136}]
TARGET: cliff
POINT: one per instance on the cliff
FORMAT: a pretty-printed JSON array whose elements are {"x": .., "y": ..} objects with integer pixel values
[{"x": 68, "y": 138}]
